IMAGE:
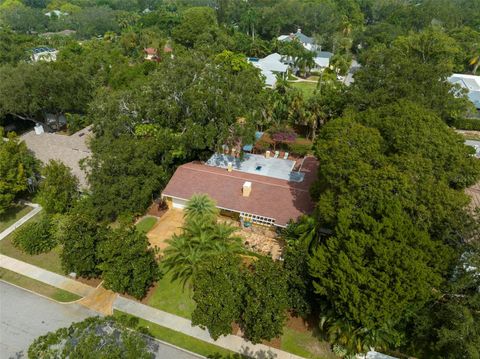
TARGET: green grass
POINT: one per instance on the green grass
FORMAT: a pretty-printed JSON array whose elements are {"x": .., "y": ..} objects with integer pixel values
[
  {"x": 37, "y": 287},
  {"x": 305, "y": 345},
  {"x": 12, "y": 215},
  {"x": 179, "y": 339},
  {"x": 146, "y": 224},
  {"x": 171, "y": 297},
  {"x": 306, "y": 88},
  {"x": 49, "y": 261}
]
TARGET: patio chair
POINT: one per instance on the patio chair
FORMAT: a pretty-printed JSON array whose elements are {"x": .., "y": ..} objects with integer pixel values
[
  {"x": 285, "y": 157},
  {"x": 277, "y": 153}
]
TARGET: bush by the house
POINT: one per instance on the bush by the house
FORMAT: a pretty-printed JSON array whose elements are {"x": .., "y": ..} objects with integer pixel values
[
  {"x": 300, "y": 147},
  {"x": 35, "y": 237},
  {"x": 467, "y": 124}
]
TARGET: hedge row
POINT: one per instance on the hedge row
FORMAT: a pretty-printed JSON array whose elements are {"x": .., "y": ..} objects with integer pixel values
[{"x": 467, "y": 124}]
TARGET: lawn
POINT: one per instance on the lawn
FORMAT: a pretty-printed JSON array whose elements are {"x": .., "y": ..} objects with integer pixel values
[
  {"x": 37, "y": 287},
  {"x": 146, "y": 224},
  {"x": 173, "y": 298},
  {"x": 49, "y": 261},
  {"x": 12, "y": 215},
  {"x": 181, "y": 340},
  {"x": 306, "y": 88},
  {"x": 305, "y": 344}
]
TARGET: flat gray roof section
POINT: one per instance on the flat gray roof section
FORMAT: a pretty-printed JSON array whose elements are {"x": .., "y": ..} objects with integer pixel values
[
  {"x": 259, "y": 165},
  {"x": 67, "y": 149}
]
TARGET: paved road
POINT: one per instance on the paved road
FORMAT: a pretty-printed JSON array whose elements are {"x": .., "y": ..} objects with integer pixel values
[{"x": 24, "y": 316}]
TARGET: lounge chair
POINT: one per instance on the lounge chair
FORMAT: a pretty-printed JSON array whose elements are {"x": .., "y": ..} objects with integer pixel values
[
  {"x": 285, "y": 157},
  {"x": 277, "y": 153}
]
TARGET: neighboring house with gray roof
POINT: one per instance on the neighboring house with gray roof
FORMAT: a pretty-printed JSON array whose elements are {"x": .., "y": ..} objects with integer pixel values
[
  {"x": 270, "y": 66},
  {"x": 471, "y": 83},
  {"x": 68, "y": 149},
  {"x": 307, "y": 42}
]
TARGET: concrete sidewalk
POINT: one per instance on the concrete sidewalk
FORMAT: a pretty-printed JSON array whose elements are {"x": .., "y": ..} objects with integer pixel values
[
  {"x": 182, "y": 325},
  {"x": 36, "y": 208},
  {"x": 45, "y": 276}
]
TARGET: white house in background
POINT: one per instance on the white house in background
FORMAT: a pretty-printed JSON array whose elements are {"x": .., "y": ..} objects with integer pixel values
[
  {"x": 307, "y": 42},
  {"x": 44, "y": 54},
  {"x": 56, "y": 13},
  {"x": 471, "y": 83},
  {"x": 322, "y": 59},
  {"x": 270, "y": 67}
]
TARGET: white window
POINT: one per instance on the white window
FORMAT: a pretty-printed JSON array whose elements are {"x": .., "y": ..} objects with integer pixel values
[{"x": 264, "y": 221}]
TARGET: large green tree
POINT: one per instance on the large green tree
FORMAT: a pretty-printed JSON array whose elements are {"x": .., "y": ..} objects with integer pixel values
[
  {"x": 59, "y": 190},
  {"x": 128, "y": 265},
  {"x": 217, "y": 292},
  {"x": 17, "y": 168},
  {"x": 265, "y": 300},
  {"x": 80, "y": 236},
  {"x": 391, "y": 194}
]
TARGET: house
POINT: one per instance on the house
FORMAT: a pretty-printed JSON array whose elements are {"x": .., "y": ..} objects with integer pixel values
[
  {"x": 270, "y": 66},
  {"x": 68, "y": 149},
  {"x": 254, "y": 190},
  {"x": 56, "y": 13},
  {"x": 307, "y": 42},
  {"x": 471, "y": 83},
  {"x": 322, "y": 59},
  {"x": 44, "y": 54},
  {"x": 151, "y": 54}
]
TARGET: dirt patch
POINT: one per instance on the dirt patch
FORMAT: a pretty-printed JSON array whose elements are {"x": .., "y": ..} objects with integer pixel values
[
  {"x": 92, "y": 282},
  {"x": 297, "y": 323},
  {"x": 274, "y": 343}
]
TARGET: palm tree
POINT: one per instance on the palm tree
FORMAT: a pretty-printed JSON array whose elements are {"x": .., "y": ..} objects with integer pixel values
[
  {"x": 302, "y": 233},
  {"x": 475, "y": 62},
  {"x": 201, "y": 207},
  {"x": 200, "y": 241}
]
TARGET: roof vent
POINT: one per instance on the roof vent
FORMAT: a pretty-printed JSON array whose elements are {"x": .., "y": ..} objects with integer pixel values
[{"x": 247, "y": 189}]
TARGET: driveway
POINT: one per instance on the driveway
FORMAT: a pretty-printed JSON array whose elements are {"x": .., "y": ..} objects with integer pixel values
[{"x": 168, "y": 225}]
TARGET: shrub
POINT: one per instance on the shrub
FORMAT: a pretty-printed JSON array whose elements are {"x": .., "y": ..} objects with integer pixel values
[
  {"x": 35, "y": 237},
  {"x": 467, "y": 124},
  {"x": 300, "y": 147},
  {"x": 76, "y": 122}
]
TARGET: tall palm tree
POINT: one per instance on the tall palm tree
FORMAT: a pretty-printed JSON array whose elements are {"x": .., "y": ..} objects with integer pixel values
[
  {"x": 200, "y": 241},
  {"x": 201, "y": 207}
]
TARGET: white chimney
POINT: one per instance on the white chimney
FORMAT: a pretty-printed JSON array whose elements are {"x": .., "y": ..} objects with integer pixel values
[
  {"x": 230, "y": 167},
  {"x": 39, "y": 129},
  {"x": 247, "y": 189}
]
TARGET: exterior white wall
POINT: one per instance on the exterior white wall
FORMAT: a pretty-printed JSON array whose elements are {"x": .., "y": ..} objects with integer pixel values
[{"x": 178, "y": 203}]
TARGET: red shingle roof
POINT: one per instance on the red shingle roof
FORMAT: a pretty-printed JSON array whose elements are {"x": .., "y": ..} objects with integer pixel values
[{"x": 270, "y": 197}]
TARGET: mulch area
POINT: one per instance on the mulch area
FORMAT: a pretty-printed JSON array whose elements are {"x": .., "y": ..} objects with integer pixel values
[
  {"x": 92, "y": 282},
  {"x": 145, "y": 299},
  {"x": 157, "y": 209}
]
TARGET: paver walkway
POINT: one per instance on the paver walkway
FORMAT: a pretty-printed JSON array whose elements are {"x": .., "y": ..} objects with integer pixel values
[
  {"x": 168, "y": 225},
  {"x": 101, "y": 300},
  {"x": 36, "y": 208},
  {"x": 107, "y": 301},
  {"x": 45, "y": 276}
]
